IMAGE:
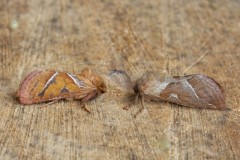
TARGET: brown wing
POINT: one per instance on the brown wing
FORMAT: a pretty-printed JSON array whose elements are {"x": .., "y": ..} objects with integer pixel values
[{"x": 195, "y": 91}]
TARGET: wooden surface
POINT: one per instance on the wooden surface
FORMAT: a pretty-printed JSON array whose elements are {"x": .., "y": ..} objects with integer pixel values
[{"x": 165, "y": 37}]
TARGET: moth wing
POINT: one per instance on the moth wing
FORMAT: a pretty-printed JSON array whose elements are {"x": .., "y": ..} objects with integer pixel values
[
  {"x": 196, "y": 91},
  {"x": 87, "y": 73},
  {"x": 42, "y": 86},
  {"x": 176, "y": 93},
  {"x": 208, "y": 91},
  {"x": 34, "y": 82},
  {"x": 120, "y": 79}
]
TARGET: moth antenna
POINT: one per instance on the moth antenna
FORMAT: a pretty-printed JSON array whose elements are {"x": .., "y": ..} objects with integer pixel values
[
  {"x": 47, "y": 104},
  {"x": 201, "y": 57},
  {"x": 195, "y": 62},
  {"x": 227, "y": 109}
]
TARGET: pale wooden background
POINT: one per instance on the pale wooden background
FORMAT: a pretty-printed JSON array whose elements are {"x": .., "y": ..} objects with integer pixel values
[{"x": 164, "y": 37}]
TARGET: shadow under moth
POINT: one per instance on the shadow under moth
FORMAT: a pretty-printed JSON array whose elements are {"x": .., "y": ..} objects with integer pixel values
[{"x": 48, "y": 85}]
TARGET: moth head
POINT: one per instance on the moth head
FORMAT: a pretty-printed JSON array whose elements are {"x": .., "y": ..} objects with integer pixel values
[
  {"x": 95, "y": 79},
  {"x": 99, "y": 83},
  {"x": 142, "y": 83}
]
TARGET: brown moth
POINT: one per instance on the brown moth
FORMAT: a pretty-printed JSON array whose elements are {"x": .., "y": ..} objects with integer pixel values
[{"x": 196, "y": 90}]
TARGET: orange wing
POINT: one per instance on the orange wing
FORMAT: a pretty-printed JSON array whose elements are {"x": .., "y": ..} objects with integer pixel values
[{"x": 41, "y": 86}]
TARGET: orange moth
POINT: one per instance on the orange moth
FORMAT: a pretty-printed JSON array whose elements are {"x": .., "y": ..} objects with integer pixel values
[
  {"x": 196, "y": 90},
  {"x": 48, "y": 85}
]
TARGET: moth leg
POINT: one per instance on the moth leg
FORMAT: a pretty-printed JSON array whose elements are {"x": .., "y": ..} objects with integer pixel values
[
  {"x": 49, "y": 103},
  {"x": 87, "y": 98},
  {"x": 136, "y": 98},
  {"x": 85, "y": 108},
  {"x": 142, "y": 106},
  {"x": 135, "y": 102}
]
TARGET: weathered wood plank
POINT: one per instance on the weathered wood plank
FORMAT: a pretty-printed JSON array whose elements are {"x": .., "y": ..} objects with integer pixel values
[{"x": 164, "y": 37}]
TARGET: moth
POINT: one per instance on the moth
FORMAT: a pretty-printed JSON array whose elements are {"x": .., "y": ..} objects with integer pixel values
[
  {"x": 196, "y": 90},
  {"x": 48, "y": 85}
]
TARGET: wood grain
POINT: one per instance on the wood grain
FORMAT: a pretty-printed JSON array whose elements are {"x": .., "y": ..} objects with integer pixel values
[{"x": 163, "y": 37}]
